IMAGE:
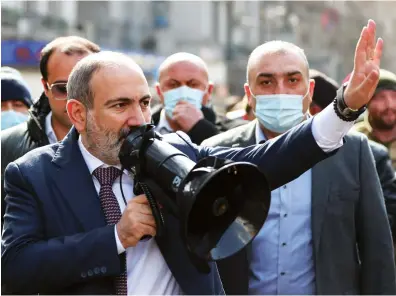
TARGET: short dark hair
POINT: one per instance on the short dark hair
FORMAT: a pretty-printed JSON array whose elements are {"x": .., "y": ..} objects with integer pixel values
[{"x": 69, "y": 45}]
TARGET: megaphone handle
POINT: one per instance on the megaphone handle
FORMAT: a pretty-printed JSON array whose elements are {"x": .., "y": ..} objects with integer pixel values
[{"x": 157, "y": 214}]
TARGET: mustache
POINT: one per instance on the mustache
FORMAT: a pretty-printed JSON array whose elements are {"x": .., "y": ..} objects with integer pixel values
[{"x": 124, "y": 132}]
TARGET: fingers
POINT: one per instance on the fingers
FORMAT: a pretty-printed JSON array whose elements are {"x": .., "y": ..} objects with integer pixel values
[
  {"x": 371, "y": 30},
  {"x": 147, "y": 230},
  {"x": 147, "y": 220},
  {"x": 360, "y": 52},
  {"x": 143, "y": 209},
  {"x": 378, "y": 51}
]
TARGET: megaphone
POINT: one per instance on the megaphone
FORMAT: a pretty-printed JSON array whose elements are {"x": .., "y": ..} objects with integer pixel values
[{"x": 220, "y": 204}]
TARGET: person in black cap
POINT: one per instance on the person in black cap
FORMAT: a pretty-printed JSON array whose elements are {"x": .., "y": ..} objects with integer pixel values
[
  {"x": 324, "y": 93},
  {"x": 16, "y": 98}
]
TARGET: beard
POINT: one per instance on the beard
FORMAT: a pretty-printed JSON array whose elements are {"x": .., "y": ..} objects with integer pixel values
[
  {"x": 104, "y": 143},
  {"x": 378, "y": 123}
]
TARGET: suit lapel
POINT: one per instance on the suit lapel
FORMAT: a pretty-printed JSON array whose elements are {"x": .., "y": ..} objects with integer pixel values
[
  {"x": 247, "y": 137},
  {"x": 320, "y": 196},
  {"x": 75, "y": 184}
]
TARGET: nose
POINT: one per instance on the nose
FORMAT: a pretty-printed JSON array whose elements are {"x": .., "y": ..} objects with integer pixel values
[
  {"x": 136, "y": 118},
  {"x": 280, "y": 89}
]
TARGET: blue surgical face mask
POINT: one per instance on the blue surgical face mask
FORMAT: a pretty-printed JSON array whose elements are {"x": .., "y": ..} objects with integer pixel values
[
  {"x": 11, "y": 118},
  {"x": 183, "y": 93},
  {"x": 279, "y": 112}
]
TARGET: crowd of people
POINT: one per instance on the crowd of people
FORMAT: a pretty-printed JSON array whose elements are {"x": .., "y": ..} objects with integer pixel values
[{"x": 328, "y": 151}]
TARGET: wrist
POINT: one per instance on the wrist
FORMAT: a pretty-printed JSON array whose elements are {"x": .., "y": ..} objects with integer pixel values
[
  {"x": 121, "y": 237},
  {"x": 343, "y": 107}
]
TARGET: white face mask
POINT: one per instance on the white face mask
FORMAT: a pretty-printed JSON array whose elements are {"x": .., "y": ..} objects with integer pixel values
[
  {"x": 279, "y": 112},
  {"x": 183, "y": 93}
]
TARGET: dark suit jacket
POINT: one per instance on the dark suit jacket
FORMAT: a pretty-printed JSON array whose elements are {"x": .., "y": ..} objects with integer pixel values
[
  {"x": 353, "y": 250},
  {"x": 207, "y": 127},
  {"x": 55, "y": 232}
]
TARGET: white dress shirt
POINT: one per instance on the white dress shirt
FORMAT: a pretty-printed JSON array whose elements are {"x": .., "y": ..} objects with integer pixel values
[
  {"x": 163, "y": 126},
  {"x": 147, "y": 271},
  {"x": 49, "y": 130},
  {"x": 328, "y": 129}
]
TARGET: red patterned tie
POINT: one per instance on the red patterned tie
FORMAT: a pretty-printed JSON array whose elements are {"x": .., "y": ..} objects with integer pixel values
[{"x": 112, "y": 212}]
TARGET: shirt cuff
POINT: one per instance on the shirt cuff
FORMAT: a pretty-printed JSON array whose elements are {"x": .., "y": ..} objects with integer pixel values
[
  {"x": 328, "y": 129},
  {"x": 120, "y": 247}
]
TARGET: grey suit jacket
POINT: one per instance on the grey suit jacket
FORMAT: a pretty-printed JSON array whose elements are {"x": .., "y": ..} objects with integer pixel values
[{"x": 352, "y": 242}]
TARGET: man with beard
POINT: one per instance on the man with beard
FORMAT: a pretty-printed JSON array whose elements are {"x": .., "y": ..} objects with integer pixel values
[
  {"x": 379, "y": 123},
  {"x": 48, "y": 122},
  {"x": 68, "y": 229}
]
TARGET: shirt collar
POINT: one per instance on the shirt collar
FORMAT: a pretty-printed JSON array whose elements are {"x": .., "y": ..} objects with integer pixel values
[
  {"x": 49, "y": 130},
  {"x": 163, "y": 126},
  {"x": 259, "y": 133},
  {"x": 92, "y": 162}
]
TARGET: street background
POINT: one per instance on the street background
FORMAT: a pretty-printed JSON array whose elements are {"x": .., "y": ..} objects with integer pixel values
[{"x": 223, "y": 33}]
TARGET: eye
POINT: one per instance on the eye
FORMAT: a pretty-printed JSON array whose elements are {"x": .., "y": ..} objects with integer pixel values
[
  {"x": 265, "y": 82},
  {"x": 145, "y": 103},
  {"x": 119, "y": 105},
  {"x": 18, "y": 104},
  {"x": 194, "y": 84},
  {"x": 293, "y": 80}
]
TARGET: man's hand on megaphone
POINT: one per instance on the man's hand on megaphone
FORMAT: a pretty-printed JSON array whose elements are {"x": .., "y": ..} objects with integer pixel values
[
  {"x": 136, "y": 222},
  {"x": 365, "y": 75}
]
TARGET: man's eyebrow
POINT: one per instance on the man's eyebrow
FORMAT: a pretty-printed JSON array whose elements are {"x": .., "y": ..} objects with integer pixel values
[
  {"x": 145, "y": 97},
  {"x": 126, "y": 100},
  {"x": 293, "y": 73},
  {"x": 264, "y": 74},
  {"x": 269, "y": 75},
  {"x": 59, "y": 81},
  {"x": 118, "y": 100}
]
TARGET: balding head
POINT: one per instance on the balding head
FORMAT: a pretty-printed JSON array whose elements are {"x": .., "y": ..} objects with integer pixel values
[
  {"x": 180, "y": 58},
  {"x": 184, "y": 69},
  {"x": 79, "y": 83},
  {"x": 268, "y": 49}
]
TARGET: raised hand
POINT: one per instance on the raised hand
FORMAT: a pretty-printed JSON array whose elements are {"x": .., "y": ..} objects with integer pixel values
[{"x": 365, "y": 75}]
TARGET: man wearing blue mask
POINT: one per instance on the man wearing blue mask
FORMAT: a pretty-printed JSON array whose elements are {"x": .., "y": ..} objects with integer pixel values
[
  {"x": 184, "y": 90},
  {"x": 16, "y": 99},
  {"x": 327, "y": 231}
]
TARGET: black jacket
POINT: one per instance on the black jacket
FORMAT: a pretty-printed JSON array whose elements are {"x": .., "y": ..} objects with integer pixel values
[
  {"x": 207, "y": 127},
  {"x": 20, "y": 139}
]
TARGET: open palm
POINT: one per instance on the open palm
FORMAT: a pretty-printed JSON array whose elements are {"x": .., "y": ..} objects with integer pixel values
[{"x": 365, "y": 75}]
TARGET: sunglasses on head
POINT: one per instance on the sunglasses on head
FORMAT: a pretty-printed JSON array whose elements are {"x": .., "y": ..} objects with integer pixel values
[{"x": 59, "y": 90}]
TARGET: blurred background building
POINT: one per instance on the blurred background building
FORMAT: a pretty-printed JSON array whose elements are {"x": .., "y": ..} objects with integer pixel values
[{"x": 223, "y": 33}]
